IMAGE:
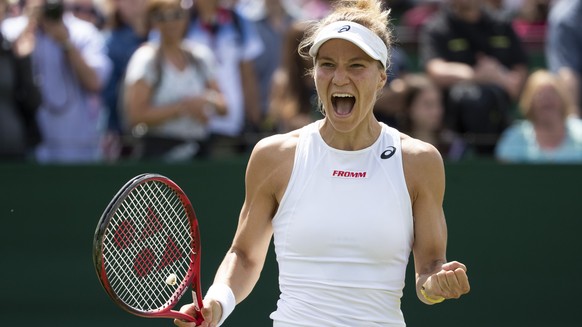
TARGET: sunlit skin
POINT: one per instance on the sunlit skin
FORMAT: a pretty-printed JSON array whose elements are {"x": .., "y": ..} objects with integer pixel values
[{"x": 342, "y": 68}]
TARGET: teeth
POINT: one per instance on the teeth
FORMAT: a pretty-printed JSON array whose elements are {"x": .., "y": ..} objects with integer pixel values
[{"x": 343, "y": 95}]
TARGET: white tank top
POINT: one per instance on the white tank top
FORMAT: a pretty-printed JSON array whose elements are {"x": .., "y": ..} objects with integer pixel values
[{"x": 343, "y": 234}]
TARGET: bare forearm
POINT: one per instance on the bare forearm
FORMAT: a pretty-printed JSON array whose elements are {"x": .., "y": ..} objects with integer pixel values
[
  {"x": 145, "y": 114},
  {"x": 446, "y": 74},
  {"x": 239, "y": 273}
]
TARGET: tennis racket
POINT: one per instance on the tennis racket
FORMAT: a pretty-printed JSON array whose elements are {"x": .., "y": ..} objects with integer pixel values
[{"x": 146, "y": 248}]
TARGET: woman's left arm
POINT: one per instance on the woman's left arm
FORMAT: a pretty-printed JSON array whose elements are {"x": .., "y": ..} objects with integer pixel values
[{"x": 436, "y": 279}]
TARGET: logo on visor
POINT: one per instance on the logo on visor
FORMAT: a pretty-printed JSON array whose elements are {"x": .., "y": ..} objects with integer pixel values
[{"x": 344, "y": 28}]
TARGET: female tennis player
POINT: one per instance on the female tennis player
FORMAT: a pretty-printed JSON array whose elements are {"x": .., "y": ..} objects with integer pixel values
[{"x": 346, "y": 198}]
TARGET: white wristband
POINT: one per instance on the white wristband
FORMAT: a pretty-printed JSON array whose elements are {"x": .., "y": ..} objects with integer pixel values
[{"x": 223, "y": 294}]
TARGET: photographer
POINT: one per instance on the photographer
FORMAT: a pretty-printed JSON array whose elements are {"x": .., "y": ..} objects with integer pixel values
[
  {"x": 19, "y": 98},
  {"x": 71, "y": 67}
]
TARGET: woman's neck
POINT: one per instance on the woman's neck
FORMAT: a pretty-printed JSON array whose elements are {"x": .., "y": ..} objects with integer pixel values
[
  {"x": 172, "y": 52},
  {"x": 550, "y": 135},
  {"x": 359, "y": 138}
]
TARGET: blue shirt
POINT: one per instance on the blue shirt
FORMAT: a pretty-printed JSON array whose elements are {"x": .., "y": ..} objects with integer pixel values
[
  {"x": 121, "y": 44},
  {"x": 519, "y": 144}
]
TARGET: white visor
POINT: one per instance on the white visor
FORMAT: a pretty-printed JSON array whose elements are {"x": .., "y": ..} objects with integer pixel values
[{"x": 358, "y": 34}]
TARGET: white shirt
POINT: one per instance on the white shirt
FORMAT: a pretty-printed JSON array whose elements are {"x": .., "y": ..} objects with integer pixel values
[
  {"x": 229, "y": 49},
  {"x": 343, "y": 234},
  {"x": 174, "y": 86}
]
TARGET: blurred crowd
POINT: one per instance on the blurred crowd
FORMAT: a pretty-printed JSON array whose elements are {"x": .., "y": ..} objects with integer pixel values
[{"x": 92, "y": 81}]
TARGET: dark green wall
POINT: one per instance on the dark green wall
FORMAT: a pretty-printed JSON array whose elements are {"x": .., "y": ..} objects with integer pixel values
[{"x": 516, "y": 227}]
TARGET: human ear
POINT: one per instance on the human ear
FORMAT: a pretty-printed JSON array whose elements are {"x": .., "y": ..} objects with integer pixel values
[{"x": 382, "y": 80}]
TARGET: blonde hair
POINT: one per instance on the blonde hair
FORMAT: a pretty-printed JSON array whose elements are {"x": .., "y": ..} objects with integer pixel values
[
  {"x": 369, "y": 13},
  {"x": 535, "y": 81}
]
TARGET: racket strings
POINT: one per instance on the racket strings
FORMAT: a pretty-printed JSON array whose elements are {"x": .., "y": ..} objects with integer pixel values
[{"x": 150, "y": 239}]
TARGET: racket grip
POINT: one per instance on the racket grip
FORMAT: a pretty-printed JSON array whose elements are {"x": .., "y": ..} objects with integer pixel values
[
  {"x": 199, "y": 318},
  {"x": 182, "y": 316},
  {"x": 197, "y": 298}
]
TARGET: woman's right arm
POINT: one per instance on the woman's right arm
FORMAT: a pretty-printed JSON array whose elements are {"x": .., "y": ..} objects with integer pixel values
[{"x": 240, "y": 270}]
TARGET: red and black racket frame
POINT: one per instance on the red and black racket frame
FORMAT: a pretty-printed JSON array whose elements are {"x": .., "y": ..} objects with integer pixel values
[{"x": 193, "y": 273}]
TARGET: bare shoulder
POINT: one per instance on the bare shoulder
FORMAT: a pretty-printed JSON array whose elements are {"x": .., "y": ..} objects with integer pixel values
[
  {"x": 423, "y": 164},
  {"x": 417, "y": 152},
  {"x": 275, "y": 148},
  {"x": 271, "y": 162}
]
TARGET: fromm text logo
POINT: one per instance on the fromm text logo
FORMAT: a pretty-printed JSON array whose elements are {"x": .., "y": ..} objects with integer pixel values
[{"x": 348, "y": 174}]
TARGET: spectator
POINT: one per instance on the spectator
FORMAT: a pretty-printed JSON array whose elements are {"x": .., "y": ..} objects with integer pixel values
[
  {"x": 550, "y": 131},
  {"x": 87, "y": 10},
  {"x": 505, "y": 9},
  {"x": 170, "y": 90},
  {"x": 125, "y": 29},
  {"x": 417, "y": 15},
  {"x": 564, "y": 46},
  {"x": 271, "y": 25},
  {"x": 388, "y": 106},
  {"x": 399, "y": 7},
  {"x": 314, "y": 9},
  {"x": 19, "y": 96},
  {"x": 71, "y": 67},
  {"x": 235, "y": 45},
  {"x": 480, "y": 63},
  {"x": 293, "y": 101},
  {"x": 422, "y": 116},
  {"x": 13, "y": 9},
  {"x": 530, "y": 22}
]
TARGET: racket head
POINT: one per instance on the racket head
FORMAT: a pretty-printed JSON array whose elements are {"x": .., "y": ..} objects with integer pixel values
[{"x": 147, "y": 237}]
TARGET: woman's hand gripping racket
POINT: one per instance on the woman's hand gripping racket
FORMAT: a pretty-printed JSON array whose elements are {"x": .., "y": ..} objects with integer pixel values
[{"x": 146, "y": 248}]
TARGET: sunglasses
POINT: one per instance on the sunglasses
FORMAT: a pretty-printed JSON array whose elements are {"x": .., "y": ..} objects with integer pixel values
[{"x": 169, "y": 15}]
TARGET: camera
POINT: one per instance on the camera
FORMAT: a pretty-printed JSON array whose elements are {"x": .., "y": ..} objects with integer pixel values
[{"x": 53, "y": 9}]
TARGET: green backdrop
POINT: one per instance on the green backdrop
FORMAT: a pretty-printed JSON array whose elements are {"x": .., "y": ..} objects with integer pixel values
[{"x": 517, "y": 227}]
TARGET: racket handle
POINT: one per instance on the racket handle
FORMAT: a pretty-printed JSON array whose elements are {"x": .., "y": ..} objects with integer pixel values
[
  {"x": 197, "y": 299},
  {"x": 182, "y": 316}
]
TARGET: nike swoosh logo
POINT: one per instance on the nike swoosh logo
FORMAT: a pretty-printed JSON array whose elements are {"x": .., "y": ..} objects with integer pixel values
[{"x": 389, "y": 152}]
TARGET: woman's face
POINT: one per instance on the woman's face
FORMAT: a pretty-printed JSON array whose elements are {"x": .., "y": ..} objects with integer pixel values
[
  {"x": 426, "y": 111},
  {"x": 171, "y": 22},
  {"x": 347, "y": 81},
  {"x": 546, "y": 104}
]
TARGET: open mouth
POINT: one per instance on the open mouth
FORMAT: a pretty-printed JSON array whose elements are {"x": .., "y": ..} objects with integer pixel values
[{"x": 343, "y": 103}]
